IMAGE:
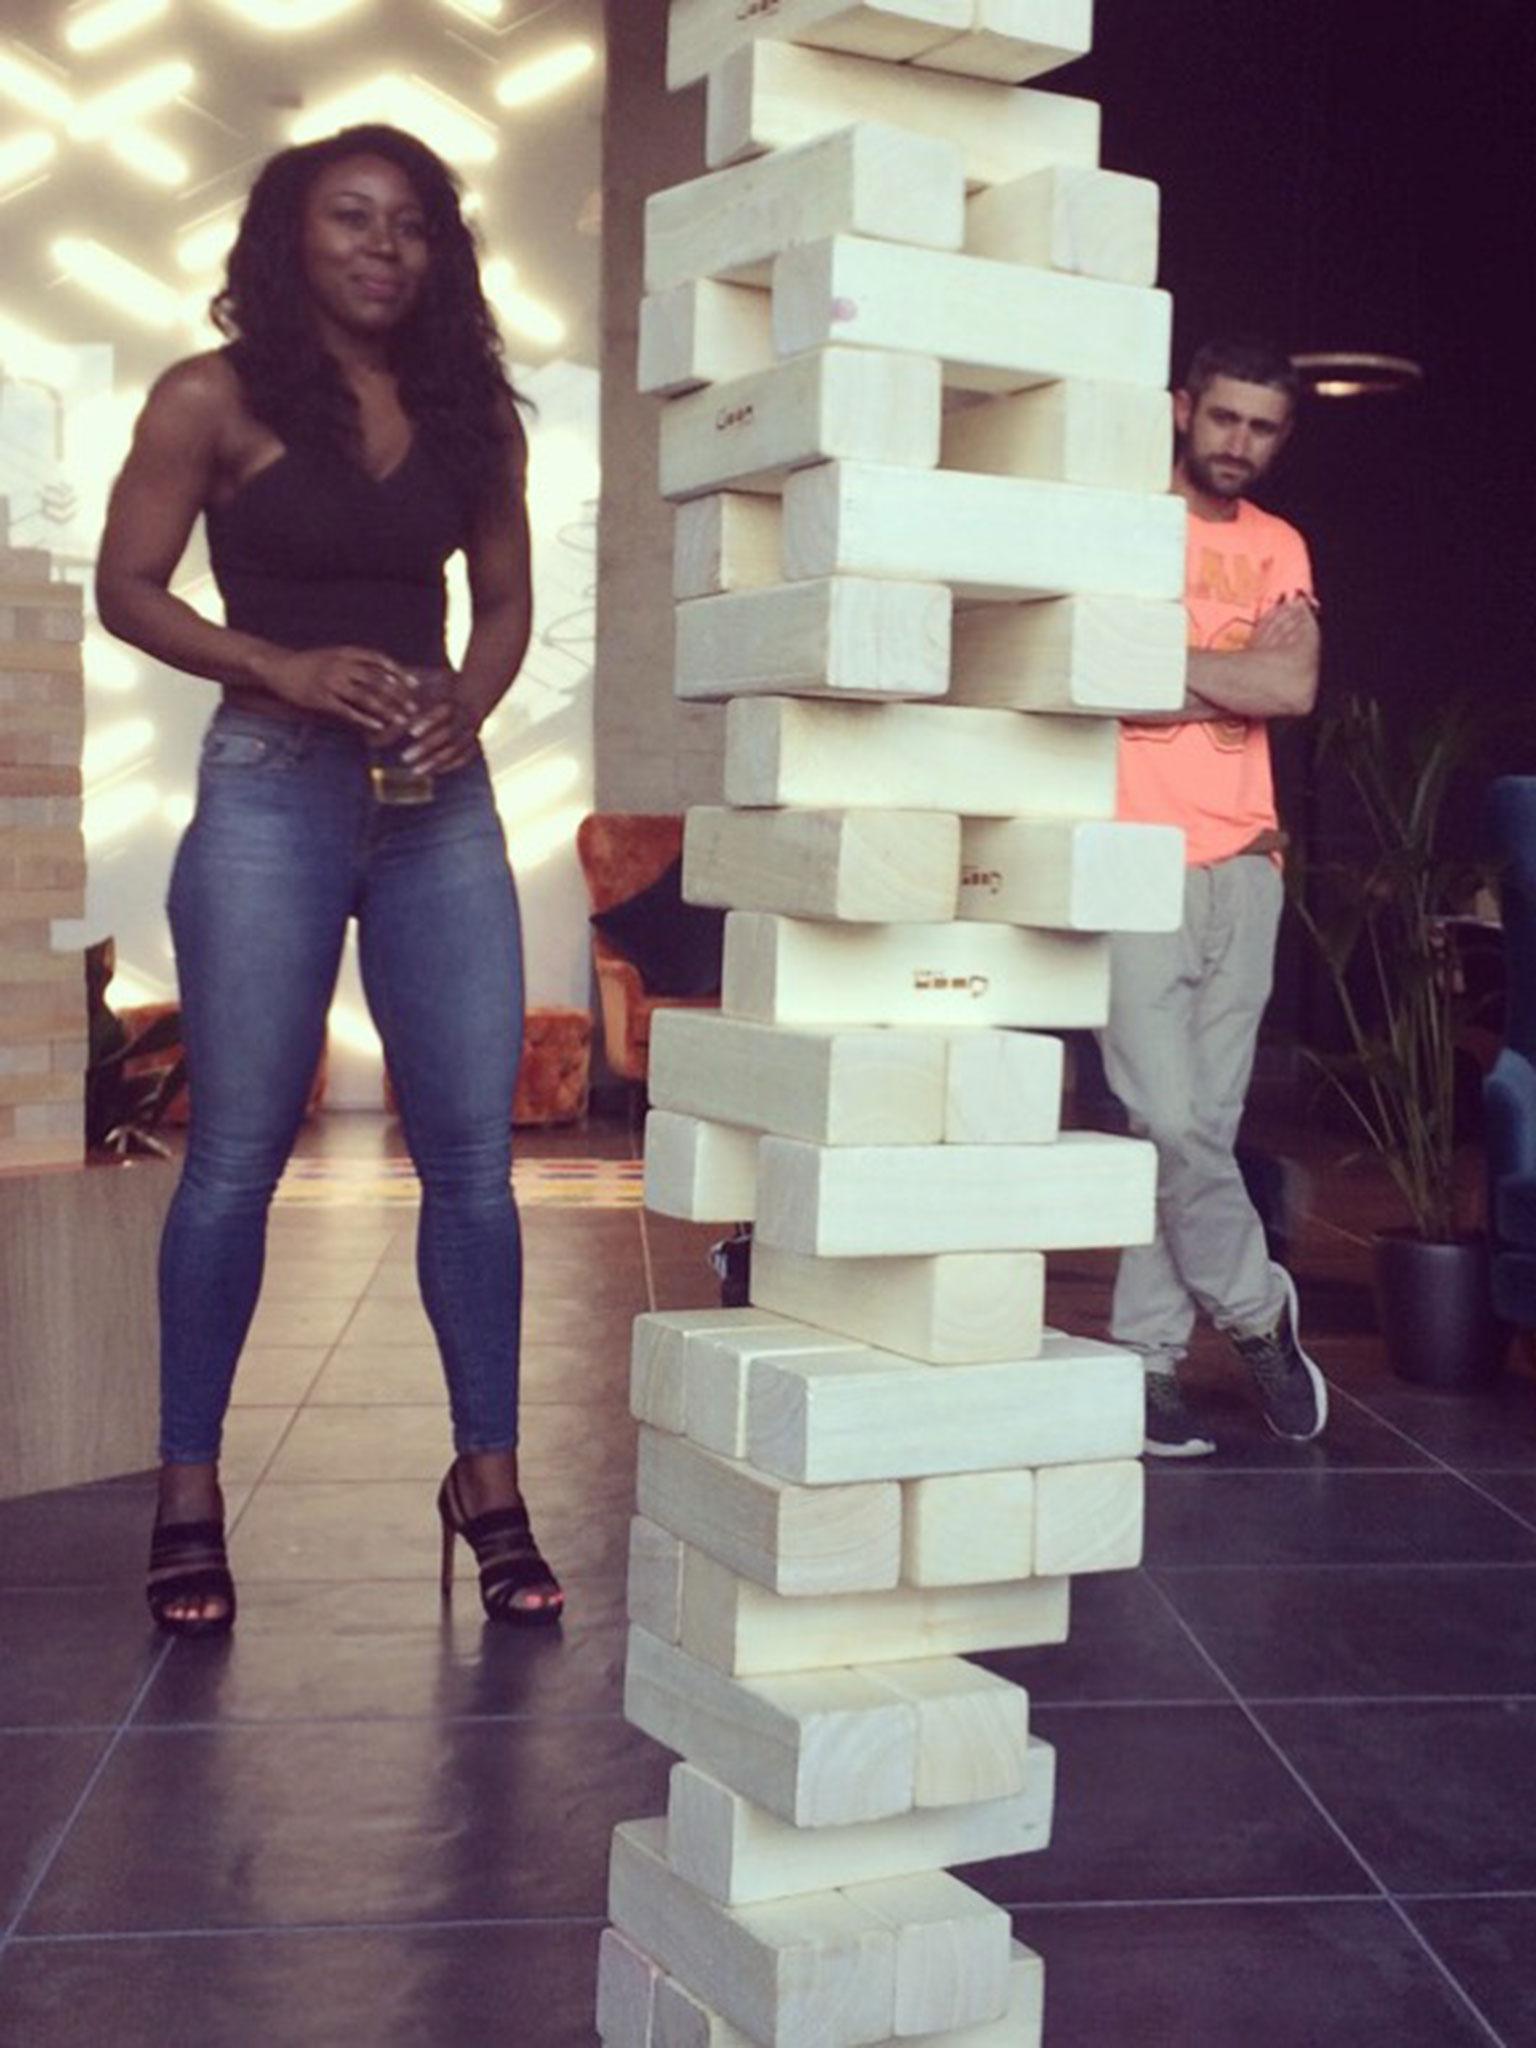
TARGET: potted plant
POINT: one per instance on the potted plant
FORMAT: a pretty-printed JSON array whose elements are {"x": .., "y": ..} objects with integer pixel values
[{"x": 1391, "y": 926}]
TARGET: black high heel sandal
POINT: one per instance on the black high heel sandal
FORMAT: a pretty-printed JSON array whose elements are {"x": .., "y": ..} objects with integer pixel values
[
  {"x": 509, "y": 1559},
  {"x": 187, "y": 1561}
]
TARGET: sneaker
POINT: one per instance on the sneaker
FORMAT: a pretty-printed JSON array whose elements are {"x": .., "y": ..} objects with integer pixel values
[
  {"x": 1171, "y": 1431},
  {"x": 1292, "y": 1389}
]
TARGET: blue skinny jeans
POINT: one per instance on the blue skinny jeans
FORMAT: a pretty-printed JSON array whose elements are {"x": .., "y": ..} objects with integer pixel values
[{"x": 287, "y": 843}]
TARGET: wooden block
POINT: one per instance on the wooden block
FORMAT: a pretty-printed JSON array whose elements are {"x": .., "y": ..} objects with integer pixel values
[
  {"x": 657, "y": 1346},
  {"x": 993, "y": 537},
  {"x": 773, "y": 95},
  {"x": 1094, "y": 656},
  {"x": 1004, "y": 1088},
  {"x": 846, "y": 636},
  {"x": 818, "y": 1749},
  {"x": 736, "y": 1627},
  {"x": 738, "y": 1853},
  {"x": 683, "y": 2022},
  {"x": 791, "y": 1539},
  {"x": 920, "y": 757},
  {"x": 831, "y": 1087},
  {"x": 655, "y": 1586},
  {"x": 964, "y": 1308},
  {"x": 954, "y": 1950},
  {"x": 1017, "y": 39},
  {"x": 1116, "y": 437},
  {"x": 837, "y": 402},
  {"x": 865, "y": 180},
  {"x": 1089, "y": 1518},
  {"x": 969, "y": 1529},
  {"x": 703, "y": 33},
  {"x": 626, "y": 1993},
  {"x": 725, "y": 543},
  {"x": 858, "y": 867},
  {"x": 1090, "y": 877},
  {"x": 702, "y": 1172},
  {"x": 794, "y": 1973},
  {"x": 717, "y": 1371},
  {"x": 820, "y": 1422},
  {"x": 704, "y": 332},
  {"x": 994, "y": 326},
  {"x": 792, "y": 971},
  {"x": 1091, "y": 223},
  {"x": 878, "y": 1200},
  {"x": 972, "y": 1730}
]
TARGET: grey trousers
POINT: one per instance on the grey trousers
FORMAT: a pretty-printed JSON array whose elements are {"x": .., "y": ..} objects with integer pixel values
[{"x": 1184, "y": 1017}]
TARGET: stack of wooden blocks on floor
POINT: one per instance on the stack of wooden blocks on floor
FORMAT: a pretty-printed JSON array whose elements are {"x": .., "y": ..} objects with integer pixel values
[
  {"x": 42, "y": 863},
  {"x": 919, "y": 440}
]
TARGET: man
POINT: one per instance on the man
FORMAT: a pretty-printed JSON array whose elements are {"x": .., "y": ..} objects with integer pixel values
[{"x": 1185, "y": 1006}]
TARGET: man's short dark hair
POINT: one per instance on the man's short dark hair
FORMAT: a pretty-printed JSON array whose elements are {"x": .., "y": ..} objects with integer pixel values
[{"x": 1248, "y": 358}]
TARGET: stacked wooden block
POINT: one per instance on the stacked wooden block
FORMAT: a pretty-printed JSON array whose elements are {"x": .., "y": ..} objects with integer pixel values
[
  {"x": 42, "y": 864},
  {"x": 919, "y": 440}
]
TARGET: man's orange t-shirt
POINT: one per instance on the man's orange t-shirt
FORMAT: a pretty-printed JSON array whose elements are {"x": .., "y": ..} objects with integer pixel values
[{"x": 1213, "y": 776}]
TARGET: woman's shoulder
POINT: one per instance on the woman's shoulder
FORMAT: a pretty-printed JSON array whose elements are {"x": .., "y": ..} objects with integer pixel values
[{"x": 201, "y": 391}]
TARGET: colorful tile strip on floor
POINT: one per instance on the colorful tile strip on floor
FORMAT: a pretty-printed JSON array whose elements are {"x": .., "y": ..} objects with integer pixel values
[{"x": 888, "y": 1461}]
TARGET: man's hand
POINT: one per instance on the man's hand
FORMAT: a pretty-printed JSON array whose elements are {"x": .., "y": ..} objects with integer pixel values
[{"x": 1292, "y": 623}]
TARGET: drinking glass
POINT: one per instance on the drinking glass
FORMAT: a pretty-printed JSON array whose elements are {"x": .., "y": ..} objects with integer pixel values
[{"x": 394, "y": 780}]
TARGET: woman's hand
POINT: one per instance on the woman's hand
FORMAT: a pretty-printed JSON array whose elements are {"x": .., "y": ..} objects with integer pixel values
[
  {"x": 357, "y": 684},
  {"x": 443, "y": 738}
]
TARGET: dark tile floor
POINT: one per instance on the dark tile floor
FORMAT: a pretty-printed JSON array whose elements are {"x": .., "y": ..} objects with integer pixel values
[{"x": 1297, "y": 1750}]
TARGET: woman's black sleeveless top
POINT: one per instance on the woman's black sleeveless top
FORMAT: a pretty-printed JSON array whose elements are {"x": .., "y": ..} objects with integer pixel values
[{"x": 313, "y": 552}]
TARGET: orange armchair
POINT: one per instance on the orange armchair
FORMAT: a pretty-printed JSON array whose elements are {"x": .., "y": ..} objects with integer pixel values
[{"x": 621, "y": 853}]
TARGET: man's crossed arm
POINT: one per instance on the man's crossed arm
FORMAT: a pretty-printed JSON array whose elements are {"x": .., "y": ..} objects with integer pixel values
[{"x": 1274, "y": 676}]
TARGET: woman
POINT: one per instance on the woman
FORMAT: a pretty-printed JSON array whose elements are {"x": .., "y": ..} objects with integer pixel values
[{"x": 356, "y": 431}]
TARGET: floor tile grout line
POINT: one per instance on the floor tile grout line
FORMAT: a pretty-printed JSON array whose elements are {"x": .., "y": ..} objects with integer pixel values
[
  {"x": 246, "y": 1930},
  {"x": 1317, "y": 1804},
  {"x": 596, "y": 1716},
  {"x": 30, "y": 1891}
]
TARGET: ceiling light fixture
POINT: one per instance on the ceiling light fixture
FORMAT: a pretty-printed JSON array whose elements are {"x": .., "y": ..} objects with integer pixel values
[
  {"x": 25, "y": 86},
  {"x": 95, "y": 27},
  {"x": 1357, "y": 373},
  {"x": 407, "y": 101},
  {"x": 145, "y": 93},
  {"x": 24, "y": 156},
  {"x": 544, "y": 75},
  {"x": 25, "y": 354},
  {"x": 288, "y": 17},
  {"x": 150, "y": 158},
  {"x": 101, "y": 271},
  {"x": 204, "y": 248}
]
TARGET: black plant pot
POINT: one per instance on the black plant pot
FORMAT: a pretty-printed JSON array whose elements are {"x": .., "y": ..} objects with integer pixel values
[{"x": 1435, "y": 1307}]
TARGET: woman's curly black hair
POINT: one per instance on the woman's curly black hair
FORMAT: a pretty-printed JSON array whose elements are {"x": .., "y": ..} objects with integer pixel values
[{"x": 447, "y": 354}]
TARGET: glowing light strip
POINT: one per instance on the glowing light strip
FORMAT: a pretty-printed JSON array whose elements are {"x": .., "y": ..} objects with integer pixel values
[
  {"x": 25, "y": 86},
  {"x": 150, "y": 158},
  {"x": 112, "y": 277},
  {"x": 410, "y": 102},
  {"x": 545, "y": 75},
  {"x": 111, "y": 21},
  {"x": 204, "y": 248},
  {"x": 288, "y": 17},
  {"x": 26, "y": 354},
  {"x": 475, "y": 10},
  {"x": 145, "y": 93},
  {"x": 25, "y": 155}
]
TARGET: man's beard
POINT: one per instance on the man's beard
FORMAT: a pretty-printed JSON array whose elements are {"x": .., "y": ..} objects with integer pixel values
[{"x": 1227, "y": 484}]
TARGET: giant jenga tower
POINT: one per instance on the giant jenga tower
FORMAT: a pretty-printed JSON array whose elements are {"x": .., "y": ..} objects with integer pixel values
[
  {"x": 919, "y": 440},
  {"x": 42, "y": 863}
]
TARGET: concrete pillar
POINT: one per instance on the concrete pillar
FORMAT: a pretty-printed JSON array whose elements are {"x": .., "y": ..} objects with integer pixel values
[{"x": 653, "y": 754}]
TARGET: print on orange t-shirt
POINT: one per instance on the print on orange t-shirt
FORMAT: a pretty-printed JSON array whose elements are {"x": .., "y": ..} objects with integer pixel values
[{"x": 1213, "y": 776}]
